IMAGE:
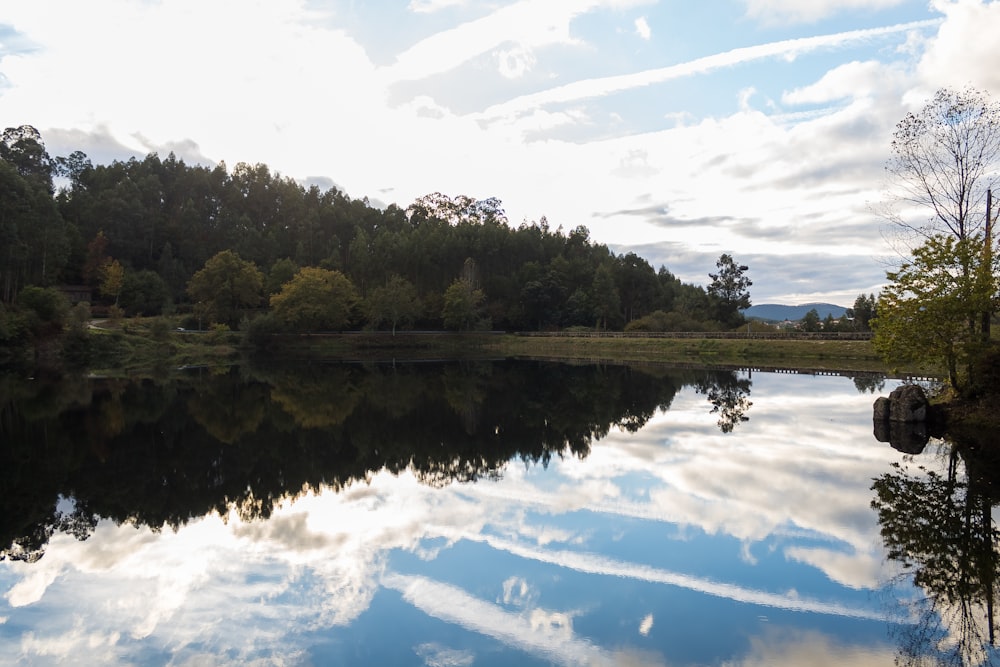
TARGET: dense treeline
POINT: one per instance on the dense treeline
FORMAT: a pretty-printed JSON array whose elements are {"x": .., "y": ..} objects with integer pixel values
[{"x": 138, "y": 232}]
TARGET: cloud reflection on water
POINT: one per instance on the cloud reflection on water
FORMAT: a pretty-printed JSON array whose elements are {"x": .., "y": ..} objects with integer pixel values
[
  {"x": 545, "y": 633},
  {"x": 796, "y": 475},
  {"x": 595, "y": 564}
]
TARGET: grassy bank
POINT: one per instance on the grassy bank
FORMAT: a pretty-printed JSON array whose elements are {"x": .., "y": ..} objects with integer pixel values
[
  {"x": 785, "y": 354},
  {"x": 817, "y": 354},
  {"x": 820, "y": 355},
  {"x": 136, "y": 345}
]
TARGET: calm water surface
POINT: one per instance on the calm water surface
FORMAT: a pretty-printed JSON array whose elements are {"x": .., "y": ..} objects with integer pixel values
[{"x": 481, "y": 514}]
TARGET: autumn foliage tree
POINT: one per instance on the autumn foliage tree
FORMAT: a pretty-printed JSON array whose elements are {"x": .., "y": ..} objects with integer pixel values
[
  {"x": 112, "y": 275},
  {"x": 315, "y": 300},
  {"x": 96, "y": 258}
]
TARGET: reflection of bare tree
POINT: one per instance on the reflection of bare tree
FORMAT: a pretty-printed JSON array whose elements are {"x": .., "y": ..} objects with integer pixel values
[
  {"x": 939, "y": 527},
  {"x": 729, "y": 395}
]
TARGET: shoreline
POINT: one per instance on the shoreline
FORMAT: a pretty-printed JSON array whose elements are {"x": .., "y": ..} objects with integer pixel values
[{"x": 132, "y": 349}]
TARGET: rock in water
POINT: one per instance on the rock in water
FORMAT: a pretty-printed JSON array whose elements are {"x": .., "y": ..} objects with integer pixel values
[
  {"x": 899, "y": 419},
  {"x": 908, "y": 403},
  {"x": 907, "y": 437},
  {"x": 881, "y": 409}
]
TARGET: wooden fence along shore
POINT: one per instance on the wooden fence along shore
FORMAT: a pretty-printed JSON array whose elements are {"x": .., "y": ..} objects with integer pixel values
[
  {"x": 718, "y": 335},
  {"x": 760, "y": 368},
  {"x": 705, "y": 335}
]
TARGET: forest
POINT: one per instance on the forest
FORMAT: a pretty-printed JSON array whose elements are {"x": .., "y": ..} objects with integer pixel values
[{"x": 233, "y": 247}]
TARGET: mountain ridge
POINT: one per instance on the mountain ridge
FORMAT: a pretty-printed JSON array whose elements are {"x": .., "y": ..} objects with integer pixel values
[{"x": 780, "y": 312}]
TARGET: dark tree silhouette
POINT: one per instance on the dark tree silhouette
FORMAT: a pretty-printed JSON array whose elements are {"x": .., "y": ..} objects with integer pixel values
[{"x": 938, "y": 526}]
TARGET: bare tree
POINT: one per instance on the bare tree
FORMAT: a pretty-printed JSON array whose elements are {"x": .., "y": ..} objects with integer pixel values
[{"x": 944, "y": 161}]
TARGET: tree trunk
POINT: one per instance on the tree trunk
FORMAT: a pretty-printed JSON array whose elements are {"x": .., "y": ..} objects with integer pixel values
[{"x": 988, "y": 260}]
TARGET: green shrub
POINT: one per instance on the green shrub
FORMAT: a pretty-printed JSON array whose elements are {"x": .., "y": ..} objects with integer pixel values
[
  {"x": 218, "y": 333},
  {"x": 107, "y": 349},
  {"x": 45, "y": 305},
  {"x": 76, "y": 348},
  {"x": 159, "y": 328},
  {"x": 261, "y": 328},
  {"x": 659, "y": 320}
]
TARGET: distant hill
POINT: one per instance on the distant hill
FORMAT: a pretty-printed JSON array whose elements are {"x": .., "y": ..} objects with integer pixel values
[{"x": 778, "y": 313}]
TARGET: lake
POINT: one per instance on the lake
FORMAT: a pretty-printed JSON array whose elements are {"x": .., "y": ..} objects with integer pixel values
[{"x": 484, "y": 513}]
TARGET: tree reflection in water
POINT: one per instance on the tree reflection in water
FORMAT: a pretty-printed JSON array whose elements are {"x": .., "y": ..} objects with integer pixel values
[
  {"x": 159, "y": 454},
  {"x": 937, "y": 523},
  {"x": 730, "y": 399}
]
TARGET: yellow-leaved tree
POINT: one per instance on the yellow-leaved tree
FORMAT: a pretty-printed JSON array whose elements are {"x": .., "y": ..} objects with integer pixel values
[{"x": 315, "y": 300}]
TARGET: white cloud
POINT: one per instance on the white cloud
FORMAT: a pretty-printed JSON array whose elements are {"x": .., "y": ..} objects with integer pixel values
[
  {"x": 430, "y": 6},
  {"x": 435, "y": 655},
  {"x": 74, "y": 646},
  {"x": 849, "y": 81},
  {"x": 539, "y": 632},
  {"x": 745, "y": 96},
  {"x": 797, "y": 11},
  {"x": 232, "y": 83},
  {"x": 642, "y": 28},
  {"x": 597, "y": 564},
  {"x": 788, "y": 647},
  {"x": 32, "y": 587},
  {"x": 783, "y": 183},
  {"x": 593, "y": 88},
  {"x": 516, "y": 62},
  {"x": 965, "y": 51},
  {"x": 528, "y": 25},
  {"x": 859, "y": 571},
  {"x": 516, "y": 591}
]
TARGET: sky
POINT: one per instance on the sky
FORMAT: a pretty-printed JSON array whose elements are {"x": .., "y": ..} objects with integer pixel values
[{"x": 677, "y": 130}]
